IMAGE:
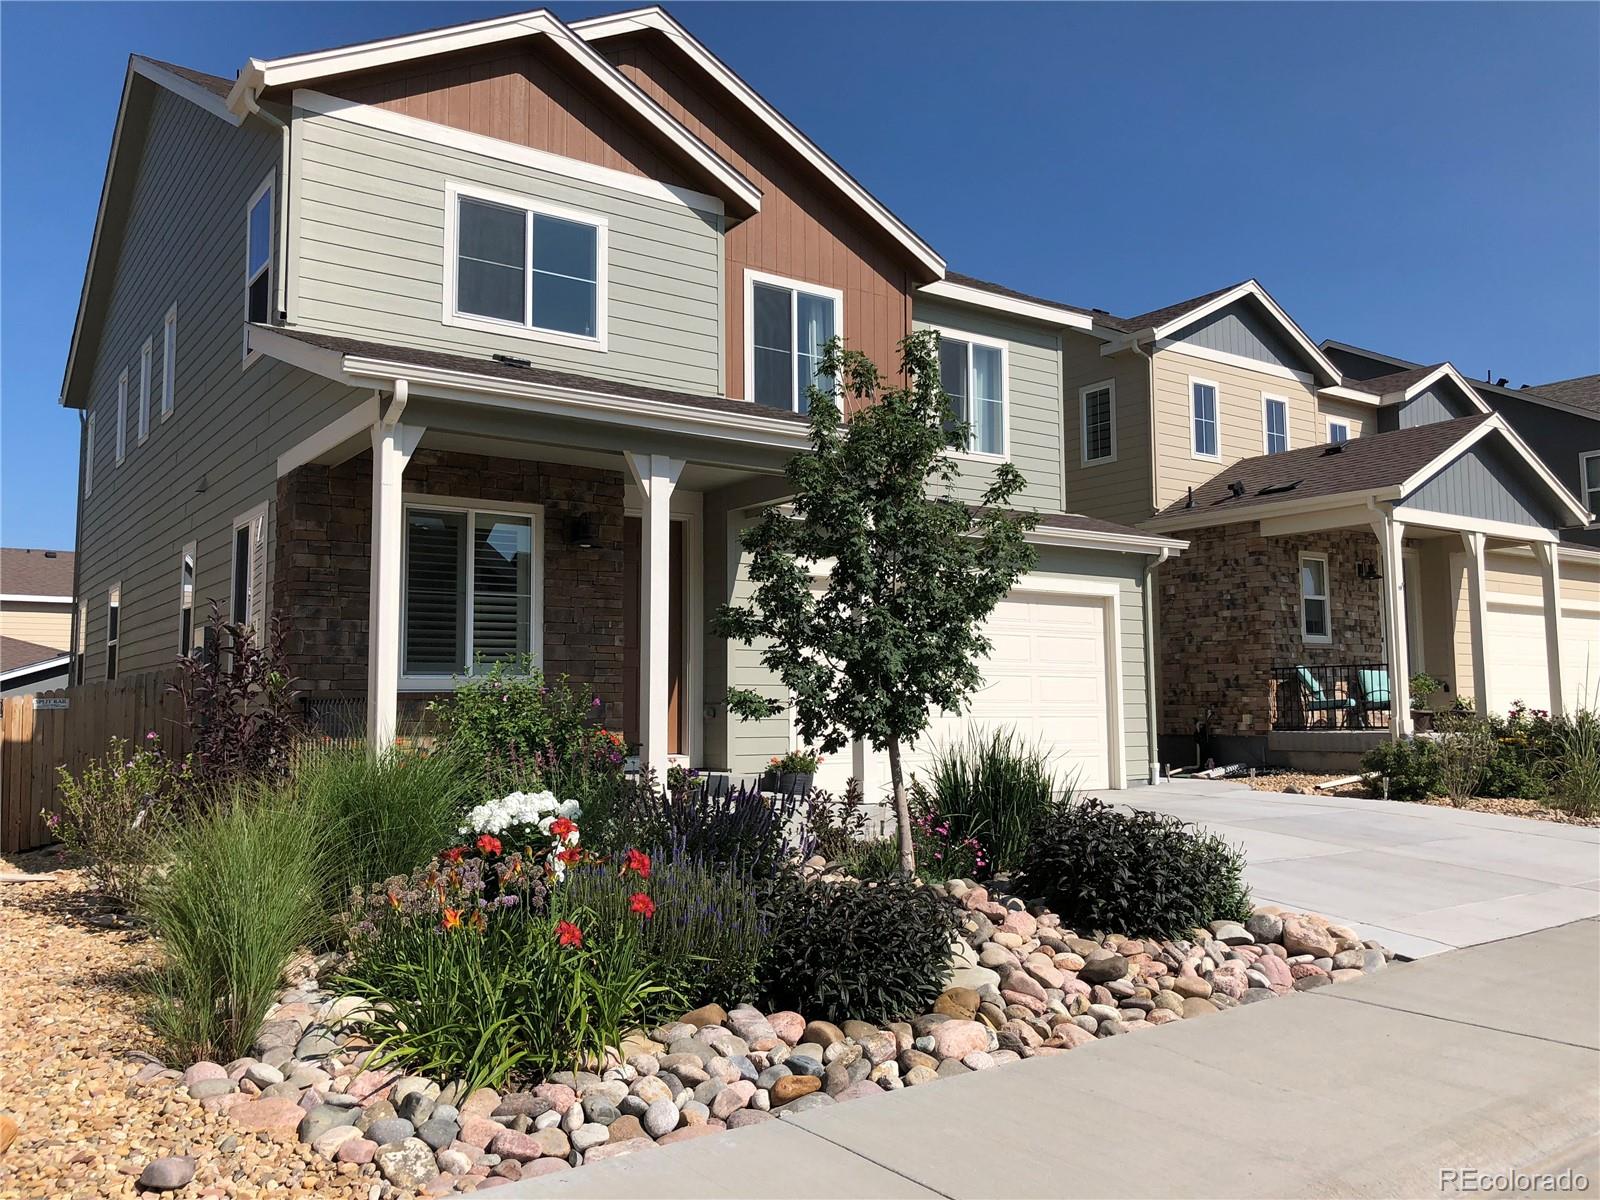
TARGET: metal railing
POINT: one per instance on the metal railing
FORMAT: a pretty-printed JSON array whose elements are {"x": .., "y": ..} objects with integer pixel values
[{"x": 1330, "y": 696}]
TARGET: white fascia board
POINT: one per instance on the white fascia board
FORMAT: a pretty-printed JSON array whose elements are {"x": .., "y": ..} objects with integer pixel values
[
  {"x": 661, "y": 21},
  {"x": 1423, "y": 518},
  {"x": 1443, "y": 371},
  {"x": 388, "y": 121},
  {"x": 1351, "y": 395},
  {"x": 1200, "y": 518},
  {"x": 44, "y": 664},
  {"x": 285, "y": 72},
  {"x": 190, "y": 91},
  {"x": 943, "y": 289},
  {"x": 1251, "y": 288},
  {"x": 324, "y": 446},
  {"x": 29, "y": 598},
  {"x": 319, "y": 361},
  {"x": 1093, "y": 539}
]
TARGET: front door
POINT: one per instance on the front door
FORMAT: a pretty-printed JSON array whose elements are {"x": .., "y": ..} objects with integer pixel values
[{"x": 631, "y": 557}]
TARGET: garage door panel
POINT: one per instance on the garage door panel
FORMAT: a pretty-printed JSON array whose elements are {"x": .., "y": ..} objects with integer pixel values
[{"x": 1517, "y": 668}]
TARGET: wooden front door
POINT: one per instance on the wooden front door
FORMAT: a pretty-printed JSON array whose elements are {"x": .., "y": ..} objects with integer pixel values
[{"x": 631, "y": 561}]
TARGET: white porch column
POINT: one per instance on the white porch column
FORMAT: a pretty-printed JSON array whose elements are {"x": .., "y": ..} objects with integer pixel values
[
  {"x": 1391, "y": 542},
  {"x": 392, "y": 447},
  {"x": 1549, "y": 556},
  {"x": 1477, "y": 620},
  {"x": 656, "y": 475}
]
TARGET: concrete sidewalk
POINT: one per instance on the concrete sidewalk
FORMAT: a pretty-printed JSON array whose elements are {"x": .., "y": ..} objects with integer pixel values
[
  {"x": 1419, "y": 878},
  {"x": 1486, "y": 1058}
]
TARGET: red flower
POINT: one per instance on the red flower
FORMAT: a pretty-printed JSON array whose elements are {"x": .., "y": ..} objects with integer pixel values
[
  {"x": 570, "y": 855},
  {"x": 452, "y": 918},
  {"x": 642, "y": 904},
  {"x": 562, "y": 826},
  {"x": 568, "y": 934},
  {"x": 488, "y": 844},
  {"x": 453, "y": 855},
  {"x": 636, "y": 861}
]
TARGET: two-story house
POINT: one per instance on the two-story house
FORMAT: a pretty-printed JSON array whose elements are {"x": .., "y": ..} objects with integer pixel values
[
  {"x": 488, "y": 341},
  {"x": 1347, "y": 529}
]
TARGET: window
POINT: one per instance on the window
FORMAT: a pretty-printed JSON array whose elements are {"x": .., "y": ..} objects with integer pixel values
[
  {"x": 169, "y": 361},
  {"x": 972, "y": 373},
  {"x": 122, "y": 417},
  {"x": 1314, "y": 619},
  {"x": 247, "y": 592},
  {"x": 81, "y": 642},
  {"x": 1203, "y": 394},
  {"x": 186, "y": 599},
  {"x": 1097, "y": 406},
  {"x": 787, "y": 327},
  {"x": 527, "y": 266},
  {"x": 1338, "y": 432},
  {"x": 258, "y": 261},
  {"x": 88, "y": 457},
  {"x": 1589, "y": 474},
  {"x": 1275, "y": 419},
  {"x": 471, "y": 586},
  {"x": 146, "y": 353},
  {"x": 113, "y": 629}
]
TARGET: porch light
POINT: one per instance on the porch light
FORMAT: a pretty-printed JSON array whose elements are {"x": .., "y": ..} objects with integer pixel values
[
  {"x": 582, "y": 533},
  {"x": 1368, "y": 571}
]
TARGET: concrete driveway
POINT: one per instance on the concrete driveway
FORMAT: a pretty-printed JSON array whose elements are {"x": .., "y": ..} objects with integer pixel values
[{"x": 1418, "y": 878}]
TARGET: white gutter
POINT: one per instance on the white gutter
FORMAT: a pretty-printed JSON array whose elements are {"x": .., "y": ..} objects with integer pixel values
[
  {"x": 27, "y": 598},
  {"x": 1095, "y": 539}
]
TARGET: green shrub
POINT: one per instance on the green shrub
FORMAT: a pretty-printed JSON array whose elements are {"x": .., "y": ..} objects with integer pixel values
[
  {"x": 875, "y": 858},
  {"x": 242, "y": 892},
  {"x": 876, "y": 952},
  {"x": 1574, "y": 763},
  {"x": 1136, "y": 873},
  {"x": 115, "y": 813},
  {"x": 994, "y": 788},
  {"x": 1408, "y": 769},
  {"x": 831, "y": 826},
  {"x": 1462, "y": 752}
]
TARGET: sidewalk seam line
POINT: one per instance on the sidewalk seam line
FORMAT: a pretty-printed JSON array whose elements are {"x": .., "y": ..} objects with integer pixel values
[
  {"x": 871, "y": 1161},
  {"x": 1458, "y": 1021}
]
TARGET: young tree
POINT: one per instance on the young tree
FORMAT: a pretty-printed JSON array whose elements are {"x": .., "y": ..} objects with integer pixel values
[{"x": 912, "y": 570}]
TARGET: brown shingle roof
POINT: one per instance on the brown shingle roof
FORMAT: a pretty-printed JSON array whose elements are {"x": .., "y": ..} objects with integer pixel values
[
  {"x": 1582, "y": 392},
  {"x": 16, "y": 653},
  {"x": 1360, "y": 465},
  {"x": 212, "y": 83},
  {"x": 491, "y": 369},
  {"x": 1160, "y": 316},
  {"x": 999, "y": 289},
  {"x": 1395, "y": 381},
  {"x": 35, "y": 572}
]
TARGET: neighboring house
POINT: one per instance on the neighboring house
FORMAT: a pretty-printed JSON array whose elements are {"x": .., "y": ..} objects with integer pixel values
[
  {"x": 1347, "y": 528},
  {"x": 490, "y": 340},
  {"x": 35, "y": 618}
]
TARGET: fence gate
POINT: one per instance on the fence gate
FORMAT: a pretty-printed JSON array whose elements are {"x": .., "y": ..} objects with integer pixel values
[{"x": 68, "y": 727}]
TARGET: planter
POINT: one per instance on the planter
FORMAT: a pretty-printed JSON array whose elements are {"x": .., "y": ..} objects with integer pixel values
[
  {"x": 796, "y": 783},
  {"x": 1422, "y": 719}
]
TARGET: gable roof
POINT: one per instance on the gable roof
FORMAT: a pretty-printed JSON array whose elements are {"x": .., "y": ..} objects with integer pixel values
[
  {"x": 260, "y": 75},
  {"x": 45, "y": 574},
  {"x": 1581, "y": 392},
  {"x": 1381, "y": 465},
  {"x": 659, "y": 20},
  {"x": 968, "y": 289},
  {"x": 1580, "y": 396},
  {"x": 1400, "y": 386},
  {"x": 1157, "y": 318}
]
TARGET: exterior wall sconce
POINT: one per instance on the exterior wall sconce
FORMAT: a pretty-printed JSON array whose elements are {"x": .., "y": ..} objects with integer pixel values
[
  {"x": 1368, "y": 571},
  {"x": 582, "y": 531}
]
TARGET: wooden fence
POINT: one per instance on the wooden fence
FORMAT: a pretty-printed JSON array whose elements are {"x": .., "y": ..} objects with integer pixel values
[{"x": 67, "y": 728}]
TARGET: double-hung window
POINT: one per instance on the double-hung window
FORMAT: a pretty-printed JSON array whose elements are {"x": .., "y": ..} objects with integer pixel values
[
  {"x": 1203, "y": 423},
  {"x": 1338, "y": 432},
  {"x": 247, "y": 592},
  {"x": 789, "y": 325},
  {"x": 113, "y": 629},
  {"x": 258, "y": 255},
  {"x": 1315, "y": 622},
  {"x": 1097, "y": 408},
  {"x": 169, "y": 361},
  {"x": 186, "y": 563},
  {"x": 521, "y": 266},
  {"x": 1589, "y": 472},
  {"x": 472, "y": 583},
  {"x": 1275, "y": 420},
  {"x": 146, "y": 354},
  {"x": 972, "y": 372},
  {"x": 122, "y": 416}
]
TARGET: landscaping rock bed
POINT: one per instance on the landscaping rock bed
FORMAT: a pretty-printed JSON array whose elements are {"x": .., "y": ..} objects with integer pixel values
[{"x": 1021, "y": 986}]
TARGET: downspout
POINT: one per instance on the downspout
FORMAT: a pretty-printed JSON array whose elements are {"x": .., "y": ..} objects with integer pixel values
[
  {"x": 281, "y": 266},
  {"x": 1152, "y": 705},
  {"x": 1150, "y": 405}
]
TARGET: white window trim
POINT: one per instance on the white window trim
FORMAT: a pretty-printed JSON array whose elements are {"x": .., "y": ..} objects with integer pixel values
[
  {"x": 266, "y": 188},
  {"x": 189, "y": 553},
  {"x": 113, "y": 600},
  {"x": 1588, "y": 495},
  {"x": 1083, "y": 422},
  {"x": 88, "y": 457},
  {"x": 146, "y": 362},
  {"x": 81, "y": 643},
  {"x": 1216, "y": 391},
  {"x": 1343, "y": 423},
  {"x": 122, "y": 416},
  {"x": 253, "y": 602},
  {"x": 1268, "y": 399},
  {"x": 410, "y": 500},
  {"x": 974, "y": 339},
  {"x": 1326, "y": 598},
  {"x": 453, "y": 192},
  {"x": 751, "y": 278},
  {"x": 169, "y": 362}
]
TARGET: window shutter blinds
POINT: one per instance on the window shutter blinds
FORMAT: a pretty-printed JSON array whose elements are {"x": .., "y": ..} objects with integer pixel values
[
  {"x": 435, "y": 593},
  {"x": 258, "y": 577}
]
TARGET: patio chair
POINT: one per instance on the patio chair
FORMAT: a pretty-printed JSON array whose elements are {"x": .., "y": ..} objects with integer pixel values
[
  {"x": 1372, "y": 692},
  {"x": 1315, "y": 700}
]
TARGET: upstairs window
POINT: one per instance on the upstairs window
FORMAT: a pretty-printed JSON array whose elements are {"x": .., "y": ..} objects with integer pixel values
[
  {"x": 1589, "y": 472},
  {"x": 113, "y": 629},
  {"x": 527, "y": 267},
  {"x": 972, "y": 373},
  {"x": 146, "y": 355},
  {"x": 1315, "y": 625},
  {"x": 169, "y": 362},
  {"x": 1097, "y": 409},
  {"x": 88, "y": 458},
  {"x": 122, "y": 416},
  {"x": 1338, "y": 432},
  {"x": 258, "y": 256},
  {"x": 1203, "y": 404},
  {"x": 789, "y": 325},
  {"x": 1275, "y": 418}
]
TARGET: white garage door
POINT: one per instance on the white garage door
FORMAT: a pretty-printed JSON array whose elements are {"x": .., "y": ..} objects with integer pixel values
[
  {"x": 1517, "y": 655},
  {"x": 1047, "y": 678}
]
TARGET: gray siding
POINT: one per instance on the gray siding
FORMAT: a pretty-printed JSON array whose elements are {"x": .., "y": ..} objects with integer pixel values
[
  {"x": 1033, "y": 398},
  {"x": 1559, "y": 437},
  {"x": 1239, "y": 329},
  {"x": 1485, "y": 483},
  {"x": 1441, "y": 402},
  {"x": 367, "y": 256},
  {"x": 214, "y": 458}
]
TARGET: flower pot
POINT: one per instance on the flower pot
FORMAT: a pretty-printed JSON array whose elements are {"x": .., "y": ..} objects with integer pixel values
[
  {"x": 787, "y": 782},
  {"x": 1422, "y": 719}
]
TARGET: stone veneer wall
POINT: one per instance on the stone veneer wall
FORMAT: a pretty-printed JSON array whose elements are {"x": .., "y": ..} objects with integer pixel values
[
  {"x": 1230, "y": 614},
  {"x": 321, "y": 557}
]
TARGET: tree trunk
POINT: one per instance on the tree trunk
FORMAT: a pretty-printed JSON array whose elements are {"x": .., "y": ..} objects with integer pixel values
[{"x": 902, "y": 810}]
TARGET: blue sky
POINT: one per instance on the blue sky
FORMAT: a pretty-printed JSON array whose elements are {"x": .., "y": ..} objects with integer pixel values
[{"x": 1424, "y": 178}]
